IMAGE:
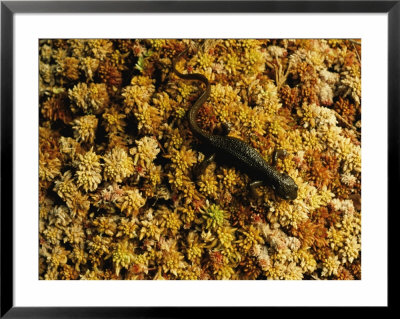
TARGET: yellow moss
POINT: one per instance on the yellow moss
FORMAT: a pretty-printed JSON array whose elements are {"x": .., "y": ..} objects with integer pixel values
[
  {"x": 65, "y": 187},
  {"x": 186, "y": 90},
  {"x": 118, "y": 165},
  {"x": 130, "y": 202},
  {"x": 53, "y": 235},
  {"x": 306, "y": 261},
  {"x": 57, "y": 256},
  {"x": 172, "y": 260},
  {"x": 182, "y": 159},
  {"x": 229, "y": 177},
  {"x": 148, "y": 117},
  {"x": 122, "y": 256},
  {"x": 150, "y": 229},
  {"x": 164, "y": 103},
  {"x": 100, "y": 48},
  {"x": 194, "y": 248},
  {"x": 99, "y": 245},
  {"x": 89, "y": 171},
  {"x": 138, "y": 93},
  {"x": 49, "y": 167},
  {"x": 188, "y": 215},
  {"x": 89, "y": 66},
  {"x": 288, "y": 214},
  {"x": 85, "y": 128},
  {"x": 205, "y": 60},
  {"x": 146, "y": 151},
  {"x": 251, "y": 237},
  {"x": 330, "y": 266},
  {"x": 232, "y": 63},
  {"x": 74, "y": 234},
  {"x": 208, "y": 185},
  {"x": 253, "y": 60},
  {"x": 127, "y": 227},
  {"x": 114, "y": 120},
  {"x": 170, "y": 220},
  {"x": 105, "y": 225},
  {"x": 93, "y": 98},
  {"x": 192, "y": 272},
  {"x": 224, "y": 273}
]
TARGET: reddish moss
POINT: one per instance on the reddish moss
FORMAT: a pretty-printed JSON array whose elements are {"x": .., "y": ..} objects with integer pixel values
[
  {"x": 345, "y": 109},
  {"x": 56, "y": 108},
  {"x": 289, "y": 96},
  {"x": 110, "y": 75}
]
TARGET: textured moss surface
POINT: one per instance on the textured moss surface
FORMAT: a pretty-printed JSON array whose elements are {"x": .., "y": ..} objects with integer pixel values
[{"x": 118, "y": 197}]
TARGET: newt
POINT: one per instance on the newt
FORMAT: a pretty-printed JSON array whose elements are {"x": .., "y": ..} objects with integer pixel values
[{"x": 234, "y": 151}]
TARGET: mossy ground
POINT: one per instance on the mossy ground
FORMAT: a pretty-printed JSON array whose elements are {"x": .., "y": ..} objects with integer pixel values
[{"x": 118, "y": 198}]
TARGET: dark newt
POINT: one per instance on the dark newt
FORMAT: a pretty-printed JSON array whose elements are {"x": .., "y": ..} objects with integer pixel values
[{"x": 235, "y": 151}]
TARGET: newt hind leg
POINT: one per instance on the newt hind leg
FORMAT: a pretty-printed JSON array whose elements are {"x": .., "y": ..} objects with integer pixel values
[
  {"x": 223, "y": 129},
  {"x": 278, "y": 153},
  {"x": 201, "y": 167},
  {"x": 253, "y": 188}
]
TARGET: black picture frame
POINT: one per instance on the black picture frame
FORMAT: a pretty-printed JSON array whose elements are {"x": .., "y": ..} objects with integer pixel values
[{"x": 9, "y": 8}]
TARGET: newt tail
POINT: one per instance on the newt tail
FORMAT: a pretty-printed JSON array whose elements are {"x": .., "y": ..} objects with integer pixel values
[
  {"x": 235, "y": 151},
  {"x": 194, "y": 110}
]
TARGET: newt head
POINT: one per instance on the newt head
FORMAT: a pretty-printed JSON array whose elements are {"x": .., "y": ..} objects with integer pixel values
[{"x": 286, "y": 188}]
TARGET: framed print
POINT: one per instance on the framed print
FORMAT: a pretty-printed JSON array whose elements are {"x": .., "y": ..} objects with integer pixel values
[{"x": 164, "y": 155}]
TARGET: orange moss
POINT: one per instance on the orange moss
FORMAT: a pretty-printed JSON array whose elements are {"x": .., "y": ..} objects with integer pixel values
[{"x": 56, "y": 108}]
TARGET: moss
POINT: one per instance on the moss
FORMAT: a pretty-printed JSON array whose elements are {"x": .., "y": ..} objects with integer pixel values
[{"x": 118, "y": 193}]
